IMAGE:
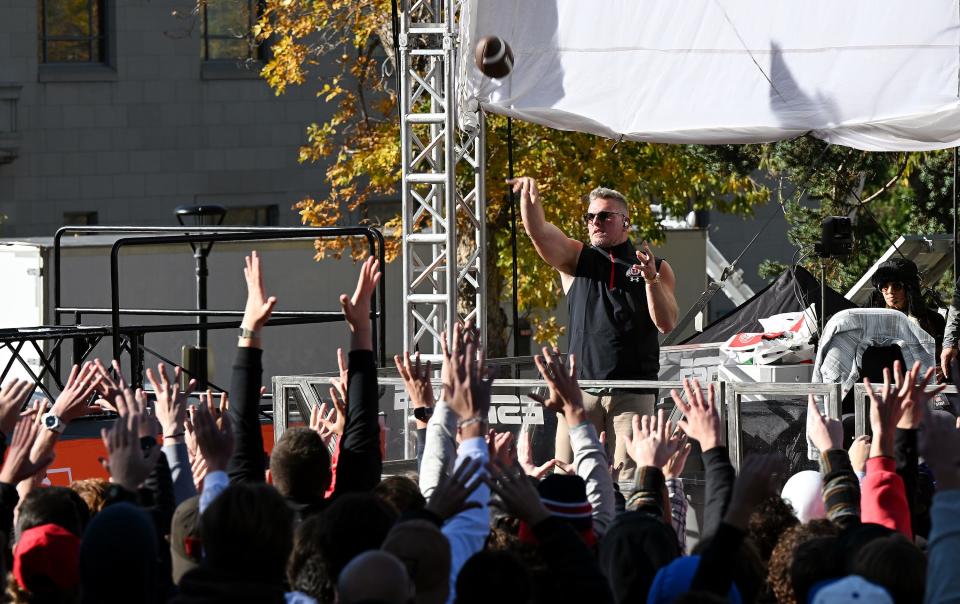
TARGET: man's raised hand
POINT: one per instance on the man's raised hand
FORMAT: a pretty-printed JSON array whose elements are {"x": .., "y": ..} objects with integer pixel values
[
  {"x": 886, "y": 411},
  {"x": 17, "y": 466},
  {"x": 356, "y": 309},
  {"x": 73, "y": 400},
  {"x": 211, "y": 425},
  {"x": 516, "y": 491},
  {"x": 171, "y": 404},
  {"x": 13, "y": 395},
  {"x": 701, "y": 421},
  {"x": 825, "y": 432},
  {"x": 652, "y": 442},
  {"x": 416, "y": 381},
  {"x": 259, "y": 306},
  {"x": 527, "y": 187},
  {"x": 912, "y": 391},
  {"x": 565, "y": 396},
  {"x": 127, "y": 464}
]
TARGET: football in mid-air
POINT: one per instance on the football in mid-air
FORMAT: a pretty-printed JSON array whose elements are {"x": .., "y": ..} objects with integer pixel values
[{"x": 493, "y": 56}]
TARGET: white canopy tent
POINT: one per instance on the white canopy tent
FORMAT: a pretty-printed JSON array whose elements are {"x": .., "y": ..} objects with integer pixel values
[{"x": 879, "y": 75}]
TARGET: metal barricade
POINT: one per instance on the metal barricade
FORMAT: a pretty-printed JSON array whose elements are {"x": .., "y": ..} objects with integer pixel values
[
  {"x": 511, "y": 409},
  {"x": 733, "y": 391},
  {"x": 861, "y": 408}
]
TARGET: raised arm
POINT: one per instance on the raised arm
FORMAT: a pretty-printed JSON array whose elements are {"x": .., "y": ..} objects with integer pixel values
[
  {"x": 247, "y": 462},
  {"x": 553, "y": 245},
  {"x": 589, "y": 458},
  {"x": 360, "y": 462}
]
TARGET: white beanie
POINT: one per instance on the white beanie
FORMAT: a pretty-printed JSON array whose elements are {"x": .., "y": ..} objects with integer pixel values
[{"x": 804, "y": 493}]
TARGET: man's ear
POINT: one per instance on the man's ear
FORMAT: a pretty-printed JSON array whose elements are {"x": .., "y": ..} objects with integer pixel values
[{"x": 269, "y": 476}]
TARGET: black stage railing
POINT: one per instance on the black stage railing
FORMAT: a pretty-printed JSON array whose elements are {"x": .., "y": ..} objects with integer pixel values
[{"x": 130, "y": 338}]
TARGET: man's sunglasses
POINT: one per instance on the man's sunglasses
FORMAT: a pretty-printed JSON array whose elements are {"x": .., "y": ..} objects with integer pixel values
[{"x": 589, "y": 217}]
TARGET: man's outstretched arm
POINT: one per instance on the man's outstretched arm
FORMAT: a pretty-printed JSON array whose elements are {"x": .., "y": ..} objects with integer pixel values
[{"x": 553, "y": 245}]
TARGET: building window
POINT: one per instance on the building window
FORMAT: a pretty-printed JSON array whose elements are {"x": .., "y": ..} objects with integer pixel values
[
  {"x": 227, "y": 30},
  {"x": 79, "y": 218},
  {"x": 253, "y": 216},
  {"x": 72, "y": 31}
]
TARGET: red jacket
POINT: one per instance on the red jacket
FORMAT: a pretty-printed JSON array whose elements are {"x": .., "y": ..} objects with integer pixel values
[{"x": 883, "y": 497}]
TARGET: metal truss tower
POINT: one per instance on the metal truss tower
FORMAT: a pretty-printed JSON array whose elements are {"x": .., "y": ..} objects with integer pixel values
[{"x": 442, "y": 187}]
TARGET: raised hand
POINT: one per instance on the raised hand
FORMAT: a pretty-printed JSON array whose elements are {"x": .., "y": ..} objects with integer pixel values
[
  {"x": 73, "y": 400},
  {"x": 565, "y": 396},
  {"x": 886, "y": 410},
  {"x": 525, "y": 457},
  {"x": 651, "y": 443},
  {"x": 517, "y": 493},
  {"x": 12, "y": 398},
  {"x": 259, "y": 307},
  {"x": 416, "y": 381},
  {"x": 171, "y": 404},
  {"x": 674, "y": 466},
  {"x": 449, "y": 498},
  {"x": 859, "y": 451},
  {"x": 701, "y": 421},
  {"x": 127, "y": 464},
  {"x": 341, "y": 381},
  {"x": 527, "y": 187},
  {"x": 17, "y": 466},
  {"x": 471, "y": 383},
  {"x": 647, "y": 262},
  {"x": 500, "y": 445},
  {"x": 825, "y": 432},
  {"x": 329, "y": 421},
  {"x": 457, "y": 344},
  {"x": 913, "y": 393},
  {"x": 356, "y": 309},
  {"x": 214, "y": 435}
]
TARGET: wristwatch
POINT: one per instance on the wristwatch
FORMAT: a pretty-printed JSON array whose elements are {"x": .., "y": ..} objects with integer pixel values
[
  {"x": 247, "y": 334},
  {"x": 53, "y": 422},
  {"x": 654, "y": 281}
]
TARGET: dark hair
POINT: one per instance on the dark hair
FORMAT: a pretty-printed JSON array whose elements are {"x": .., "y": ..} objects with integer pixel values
[
  {"x": 300, "y": 465},
  {"x": 768, "y": 522},
  {"x": 701, "y": 597},
  {"x": 781, "y": 560},
  {"x": 53, "y": 505},
  {"x": 353, "y": 524},
  {"x": 307, "y": 570},
  {"x": 490, "y": 576},
  {"x": 401, "y": 493},
  {"x": 895, "y": 564},
  {"x": 814, "y": 561},
  {"x": 248, "y": 531}
]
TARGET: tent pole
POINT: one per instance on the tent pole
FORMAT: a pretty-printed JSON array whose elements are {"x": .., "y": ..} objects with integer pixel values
[{"x": 513, "y": 244}]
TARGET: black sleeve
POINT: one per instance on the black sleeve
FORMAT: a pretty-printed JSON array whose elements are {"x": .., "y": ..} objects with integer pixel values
[
  {"x": 246, "y": 463},
  {"x": 907, "y": 458},
  {"x": 570, "y": 562},
  {"x": 360, "y": 463},
  {"x": 720, "y": 477},
  {"x": 157, "y": 499},
  {"x": 162, "y": 502},
  {"x": 718, "y": 561},
  {"x": 9, "y": 498}
]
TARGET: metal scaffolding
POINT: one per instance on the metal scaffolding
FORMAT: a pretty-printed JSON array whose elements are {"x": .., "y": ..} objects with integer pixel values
[{"x": 442, "y": 192}]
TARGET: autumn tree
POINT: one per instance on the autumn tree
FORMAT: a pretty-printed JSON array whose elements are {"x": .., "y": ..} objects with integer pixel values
[{"x": 361, "y": 144}]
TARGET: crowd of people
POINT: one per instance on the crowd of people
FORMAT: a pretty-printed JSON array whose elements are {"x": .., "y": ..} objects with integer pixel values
[{"x": 196, "y": 511}]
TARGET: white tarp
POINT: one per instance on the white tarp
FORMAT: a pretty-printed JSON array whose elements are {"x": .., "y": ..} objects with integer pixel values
[{"x": 870, "y": 74}]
